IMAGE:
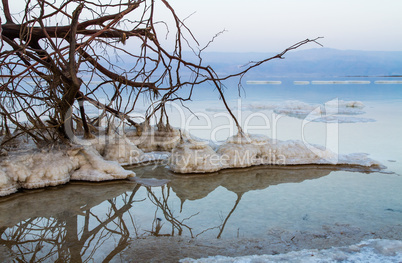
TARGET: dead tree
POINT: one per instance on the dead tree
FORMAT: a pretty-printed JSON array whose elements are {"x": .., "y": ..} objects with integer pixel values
[{"x": 53, "y": 52}]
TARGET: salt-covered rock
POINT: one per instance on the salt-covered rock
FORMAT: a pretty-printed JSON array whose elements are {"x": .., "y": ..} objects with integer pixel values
[
  {"x": 151, "y": 138},
  {"x": 296, "y": 152},
  {"x": 98, "y": 142},
  {"x": 36, "y": 169},
  {"x": 245, "y": 150},
  {"x": 8, "y": 184},
  {"x": 122, "y": 150},
  {"x": 92, "y": 167},
  {"x": 241, "y": 150},
  {"x": 48, "y": 170},
  {"x": 194, "y": 157}
]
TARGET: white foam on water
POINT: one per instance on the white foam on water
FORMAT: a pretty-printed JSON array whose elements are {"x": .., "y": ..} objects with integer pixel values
[{"x": 373, "y": 250}]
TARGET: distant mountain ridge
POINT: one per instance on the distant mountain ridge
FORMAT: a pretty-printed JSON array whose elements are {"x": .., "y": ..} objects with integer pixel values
[{"x": 317, "y": 62}]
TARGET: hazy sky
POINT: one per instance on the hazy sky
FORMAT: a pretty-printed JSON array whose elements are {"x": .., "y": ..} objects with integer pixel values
[{"x": 271, "y": 25}]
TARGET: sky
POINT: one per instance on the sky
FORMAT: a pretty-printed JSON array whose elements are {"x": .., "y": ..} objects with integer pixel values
[{"x": 272, "y": 25}]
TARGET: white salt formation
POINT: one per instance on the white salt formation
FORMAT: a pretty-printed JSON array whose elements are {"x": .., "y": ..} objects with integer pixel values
[
  {"x": 94, "y": 168},
  {"x": 347, "y": 104},
  {"x": 113, "y": 146},
  {"x": 98, "y": 142},
  {"x": 122, "y": 150},
  {"x": 194, "y": 157},
  {"x": 373, "y": 250},
  {"x": 297, "y": 109},
  {"x": 8, "y": 185},
  {"x": 40, "y": 169},
  {"x": 149, "y": 138},
  {"x": 244, "y": 150},
  {"x": 300, "y": 109},
  {"x": 35, "y": 170}
]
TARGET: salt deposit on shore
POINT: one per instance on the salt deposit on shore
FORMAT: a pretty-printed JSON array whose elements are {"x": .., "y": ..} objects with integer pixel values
[
  {"x": 36, "y": 169},
  {"x": 244, "y": 150},
  {"x": 101, "y": 158},
  {"x": 373, "y": 250},
  {"x": 93, "y": 167},
  {"x": 154, "y": 138},
  {"x": 191, "y": 157}
]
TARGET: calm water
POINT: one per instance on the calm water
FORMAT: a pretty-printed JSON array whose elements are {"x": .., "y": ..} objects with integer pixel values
[{"x": 246, "y": 211}]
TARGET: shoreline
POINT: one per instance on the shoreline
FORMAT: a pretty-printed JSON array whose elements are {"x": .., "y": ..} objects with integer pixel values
[{"x": 171, "y": 249}]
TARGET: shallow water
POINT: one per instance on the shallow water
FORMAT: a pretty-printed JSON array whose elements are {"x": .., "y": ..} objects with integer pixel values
[{"x": 266, "y": 209}]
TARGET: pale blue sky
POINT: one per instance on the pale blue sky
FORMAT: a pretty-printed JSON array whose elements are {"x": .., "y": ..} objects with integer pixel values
[{"x": 271, "y": 25}]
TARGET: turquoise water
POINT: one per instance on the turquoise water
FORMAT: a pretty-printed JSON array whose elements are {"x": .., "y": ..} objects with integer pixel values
[{"x": 294, "y": 207}]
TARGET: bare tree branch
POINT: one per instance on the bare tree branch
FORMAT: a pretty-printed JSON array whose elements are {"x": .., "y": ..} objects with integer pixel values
[{"x": 51, "y": 48}]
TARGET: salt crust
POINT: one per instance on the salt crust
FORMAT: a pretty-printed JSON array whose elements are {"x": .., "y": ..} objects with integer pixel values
[
  {"x": 373, "y": 250},
  {"x": 94, "y": 168},
  {"x": 122, "y": 150},
  {"x": 245, "y": 150},
  {"x": 98, "y": 160},
  {"x": 193, "y": 157},
  {"x": 155, "y": 138},
  {"x": 37, "y": 169}
]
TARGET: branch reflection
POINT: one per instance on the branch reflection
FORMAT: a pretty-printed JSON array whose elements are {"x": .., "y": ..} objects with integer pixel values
[
  {"x": 239, "y": 181},
  {"x": 66, "y": 229},
  {"x": 82, "y": 222}
]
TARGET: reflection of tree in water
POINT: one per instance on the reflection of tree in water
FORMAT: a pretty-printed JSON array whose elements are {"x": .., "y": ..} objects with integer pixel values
[
  {"x": 67, "y": 223},
  {"x": 238, "y": 181},
  {"x": 69, "y": 237},
  {"x": 162, "y": 203},
  {"x": 176, "y": 224},
  {"x": 75, "y": 229}
]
